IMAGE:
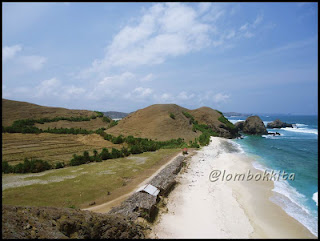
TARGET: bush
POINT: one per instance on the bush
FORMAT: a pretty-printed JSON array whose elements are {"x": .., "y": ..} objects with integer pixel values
[
  {"x": 117, "y": 140},
  {"x": 6, "y": 168},
  {"x": 105, "y": 155},
  {"x": 77, "y": 160},
  {"x": 115, "y": 153},
  {"x": 172, "y": 116},
  {"x": 99, "y": 114},
  {"x": 27, "y": 166},
  {"x": 59, "y": 165},
  {"x": 135, "y": 149},
  {"x": 125, "y": 152},
  {"x": 106, "y": 119},
  {"x": 225, "y": 121},
  {"x": 86, "y": 157},
  {"x": 113, "y": 123}
]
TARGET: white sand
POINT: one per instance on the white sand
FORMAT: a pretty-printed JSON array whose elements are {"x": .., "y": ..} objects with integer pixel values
[{"x": 199, "y": 208}]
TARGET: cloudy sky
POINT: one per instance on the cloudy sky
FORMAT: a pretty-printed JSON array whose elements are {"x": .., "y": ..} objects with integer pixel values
[{"x": 243, "y": 57}]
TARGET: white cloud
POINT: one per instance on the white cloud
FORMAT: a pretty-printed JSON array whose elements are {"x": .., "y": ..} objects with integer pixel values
[
  {"x": 185, "y": 96},
  {"x": 165, "y": 30},
  {"x": 165, "y": 97},
  {"x": 9, "y": 52},
  {"x": 248, "y": 34},
  {"x": 257, "y": 21},
  {"x": 73, "y": 91},
  {"x": 142, "y": 92},
  {"x": 219, "y": 98},
  {"x": 168, "y": 30},
  {"x": 244, "y": 27},
  {"x": 30, "y": 62},
  {"x": 48, "y": 88},
  {"x": 33, "y": 62},
  {"x": 110, "y": 85},
  {"x": 147, "y": 78},
  {"x": 204, "y": 6}
]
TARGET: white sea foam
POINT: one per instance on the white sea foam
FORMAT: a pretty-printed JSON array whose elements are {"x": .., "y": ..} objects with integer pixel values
[
  {"x": 301, "y": 130},
  {"x": 235, "y": 121},
  {"x": 315, "y": 197},
  {"x": 300, "y": 125},
  {"x": 290, "y": 200},
  {"x": 257, "y": 165},
  {"x": 270, "y": 137},
  {"x": 237, "y": 146},
  {"x": 295, "y": 211},
  {"x": 292, "y": 203}
]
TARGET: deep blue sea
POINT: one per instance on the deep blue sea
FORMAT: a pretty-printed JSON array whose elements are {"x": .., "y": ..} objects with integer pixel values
[{"x": 294, "y": 151}]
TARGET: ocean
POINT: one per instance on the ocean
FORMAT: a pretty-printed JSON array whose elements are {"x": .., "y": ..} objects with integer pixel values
[{"x": 294, "y": 151}]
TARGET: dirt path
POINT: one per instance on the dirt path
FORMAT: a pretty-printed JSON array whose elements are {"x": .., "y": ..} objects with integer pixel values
[{"x": 106, "y": 207}]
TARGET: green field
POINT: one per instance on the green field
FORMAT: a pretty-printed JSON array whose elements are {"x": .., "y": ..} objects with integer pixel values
[{"x": 80, "y": 185}]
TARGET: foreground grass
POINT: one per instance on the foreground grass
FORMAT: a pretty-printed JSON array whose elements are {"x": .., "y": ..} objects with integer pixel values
[{"x": 78, "y": 186}]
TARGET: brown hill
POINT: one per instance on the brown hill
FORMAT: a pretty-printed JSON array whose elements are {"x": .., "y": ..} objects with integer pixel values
[
  {"x": 154, "y": 122},
  {"x": 16, "y": 110}
]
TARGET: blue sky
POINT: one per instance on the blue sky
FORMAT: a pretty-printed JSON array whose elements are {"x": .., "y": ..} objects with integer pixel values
[{"x": 242, "y": 57}]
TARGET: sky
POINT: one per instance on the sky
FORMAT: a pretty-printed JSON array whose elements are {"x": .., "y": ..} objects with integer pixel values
[{"x": 241, "y": 57}]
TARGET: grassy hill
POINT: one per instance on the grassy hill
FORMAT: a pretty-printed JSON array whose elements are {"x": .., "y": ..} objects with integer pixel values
[
  {"x": 17, "y": 110},
  {"x": 167, "y": 121}
]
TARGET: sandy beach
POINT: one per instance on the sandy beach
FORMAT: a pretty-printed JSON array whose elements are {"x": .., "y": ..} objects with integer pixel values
[{"x": 200, "y": 208}]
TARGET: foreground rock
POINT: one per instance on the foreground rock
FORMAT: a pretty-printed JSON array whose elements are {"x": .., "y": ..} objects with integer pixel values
[
  {"x": 278, "y": 124},
  {"x": 61, "y": 223},
  {"x": 254, "y": 126}
]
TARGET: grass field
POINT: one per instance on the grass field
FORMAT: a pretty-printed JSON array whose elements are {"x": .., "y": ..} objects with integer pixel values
[
  {"x": 50, "y": 147},
  {"x": 78, "y": 186}
]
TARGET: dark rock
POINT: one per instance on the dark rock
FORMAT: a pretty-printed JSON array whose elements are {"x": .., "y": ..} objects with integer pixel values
[
  {"x": 239, "y": 125},
  {"x": 254, "y": 126},
  {"x": 278, "y": 124}
]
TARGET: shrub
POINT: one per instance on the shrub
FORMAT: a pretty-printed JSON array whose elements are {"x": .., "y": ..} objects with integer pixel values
[
  {"x": 106, "y": 119},
  {"x": 26, "y": 167},
  {"x": 104, "y": 155},
  {"x": 135, "y": 149},
  {"x": 99, "y": 114},
  {"x": 59, "y": 165},
  {"x": 113, "y": 123},
  {"x": 125, "y": 152},
  {"x": 6, "y": 168},
  {"x": 172, "y": 116},
  {"x": 115, "y": 153},
  {"x": 77, "y": 160},
  {"x": 117, "y": 140},
  {"x": 86, "y": 157}
]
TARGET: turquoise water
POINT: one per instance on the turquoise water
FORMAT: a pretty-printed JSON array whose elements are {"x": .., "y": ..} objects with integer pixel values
[{"x": 295, "y": 151}]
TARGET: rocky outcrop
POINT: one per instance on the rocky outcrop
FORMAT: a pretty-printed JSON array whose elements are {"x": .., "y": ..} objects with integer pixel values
[
  {"x": 278, "y": 124},
  {"x": 62, "y": 223},
  {"x": 254, "y": 126},
  {"x": 239, "y": 125}
]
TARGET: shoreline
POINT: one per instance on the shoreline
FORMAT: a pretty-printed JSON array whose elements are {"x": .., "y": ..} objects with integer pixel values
[{"x": 198, "y": 208}]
